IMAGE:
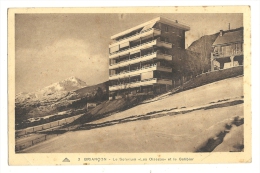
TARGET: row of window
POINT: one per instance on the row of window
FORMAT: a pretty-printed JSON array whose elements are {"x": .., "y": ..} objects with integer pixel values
[
  {"x": 229, "y": 49},
  {"x": 168, "y": 28}
]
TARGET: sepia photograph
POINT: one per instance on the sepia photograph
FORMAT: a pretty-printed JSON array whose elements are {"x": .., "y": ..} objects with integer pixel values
[{"x": 110, "y": 86}]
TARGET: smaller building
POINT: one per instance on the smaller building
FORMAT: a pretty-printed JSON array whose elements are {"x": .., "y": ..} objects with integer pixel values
[{"x": 228, "y": 49}]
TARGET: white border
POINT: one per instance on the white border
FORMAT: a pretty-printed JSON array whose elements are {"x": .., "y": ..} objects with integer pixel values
[{"x": 252, "y": 167}]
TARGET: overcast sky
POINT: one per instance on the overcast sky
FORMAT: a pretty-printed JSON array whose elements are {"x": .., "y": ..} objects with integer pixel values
[{"x": 53, "y": 47}]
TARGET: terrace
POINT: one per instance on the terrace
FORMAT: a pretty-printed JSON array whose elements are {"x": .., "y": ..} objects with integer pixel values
[
  {"x": 141, "y": 45},
  {"x": 136, "y": 35},
  {"x": 139, "y": 83},
  {"x": 137, "y": 59},
  {"x": 137, "y": 71}
]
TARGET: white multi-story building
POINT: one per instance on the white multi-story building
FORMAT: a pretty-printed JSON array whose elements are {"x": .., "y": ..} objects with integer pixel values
[{"x": 140, "y": 58}]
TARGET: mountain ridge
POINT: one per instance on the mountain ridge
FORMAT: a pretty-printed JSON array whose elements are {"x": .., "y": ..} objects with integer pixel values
[
  {"x": 63, "y": 86},
  {"x": 68, "y": 84}
]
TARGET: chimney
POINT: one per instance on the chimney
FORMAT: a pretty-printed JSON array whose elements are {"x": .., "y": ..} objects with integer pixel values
[{"x": 221, "y": 33}]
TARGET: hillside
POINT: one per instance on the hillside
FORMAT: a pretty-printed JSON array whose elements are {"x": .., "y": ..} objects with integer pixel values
[
  {"x": 200, "y": 62},
  {"x": 186, "y": 99},
  {"x": 92, "y": 89},
  {"x": 109, "y": 107},
  {"x": 71, "y": 93},
  {"x": 206, "y": 40},
  {"x": 183, "y": 122}
]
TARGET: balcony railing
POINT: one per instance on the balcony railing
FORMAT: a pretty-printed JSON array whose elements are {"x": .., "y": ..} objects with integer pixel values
[
  {"x": 140, "y": 83},
  {"x": 153, "y": 53},
  {"x": 140, "y": 70},
  {"x": 156, "y": 41},
  {"x": 137, "y": 34},
  {"x": 141, "y": 58},
  {"x": 231, "y": 53},
  {"x": 133, "y": 47}
]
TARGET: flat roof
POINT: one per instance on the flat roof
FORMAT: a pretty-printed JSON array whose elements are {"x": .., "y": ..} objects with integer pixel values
[{"x": 158, "y": 19}]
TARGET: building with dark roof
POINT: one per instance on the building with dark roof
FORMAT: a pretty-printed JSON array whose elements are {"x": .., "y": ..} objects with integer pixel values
[{"x": 228, "y": 49}]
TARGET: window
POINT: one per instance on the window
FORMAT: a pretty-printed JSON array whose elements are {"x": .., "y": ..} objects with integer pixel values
[
  {"x": 166, "y": 29},
  {"x": 164, "y": 51},
  {"x": 239, "y": 47},
  {"x": 165, "y": 39},
  {"x": 178, "y": 33},
  {"x": 174, "y": 30}
]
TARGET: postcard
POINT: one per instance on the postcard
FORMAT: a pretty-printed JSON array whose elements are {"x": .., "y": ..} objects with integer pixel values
[{"x": 129, "y": 85}]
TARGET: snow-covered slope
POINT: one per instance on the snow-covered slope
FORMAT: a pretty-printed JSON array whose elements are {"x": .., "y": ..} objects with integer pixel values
[{"x": 152, "y": 127}]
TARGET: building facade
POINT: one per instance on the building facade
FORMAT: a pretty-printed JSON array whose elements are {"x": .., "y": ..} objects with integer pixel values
[
  {"x": 228, "y": 49},
  {"x": 140, "y": 58}
]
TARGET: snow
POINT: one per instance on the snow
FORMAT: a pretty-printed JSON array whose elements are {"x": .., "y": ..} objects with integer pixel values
[
  {"x": 225, "y": 89},
  {"x": 178, "y": 133},
  {"x": 232, "y": 140}
]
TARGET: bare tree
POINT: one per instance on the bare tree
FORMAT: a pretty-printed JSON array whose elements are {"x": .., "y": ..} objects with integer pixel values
[
  {"x": 192, "y": 63},
  {"x": 203, "y": 54},
  {"x": 180, "y": 65},
  {"x": 125, "y": 85}
]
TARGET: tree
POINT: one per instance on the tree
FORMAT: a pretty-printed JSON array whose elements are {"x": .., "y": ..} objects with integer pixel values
[
  {"x": 199, "y": 60},
  {"x": 125, "y": 86},
  {"x": 191, "y": 63},
  {"x": 204, "y": 51},
  {"x": 99, "y": 94}
]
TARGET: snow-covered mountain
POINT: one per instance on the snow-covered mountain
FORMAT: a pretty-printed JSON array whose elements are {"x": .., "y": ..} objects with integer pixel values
[
  {"x": 71, "y": 93},
  {"x": 68, "y": 84},
  {"x": 24, "y": 96},
  {"x": 64, "y": 86}
]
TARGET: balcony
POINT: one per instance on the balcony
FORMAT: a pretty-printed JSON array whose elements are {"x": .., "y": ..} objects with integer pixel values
[
  {"x": 154, "y": 55},
  {"x": 140, "y": 83},
  {"x": 227, "y": 54},
  {"x": 145, "y": 33},
  {"x": 137, "y": 72},
  {"x": 145, "y": 45}
]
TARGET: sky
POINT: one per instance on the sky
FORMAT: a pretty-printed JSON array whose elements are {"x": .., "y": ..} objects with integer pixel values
[{"x": 52, "y": 47}]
